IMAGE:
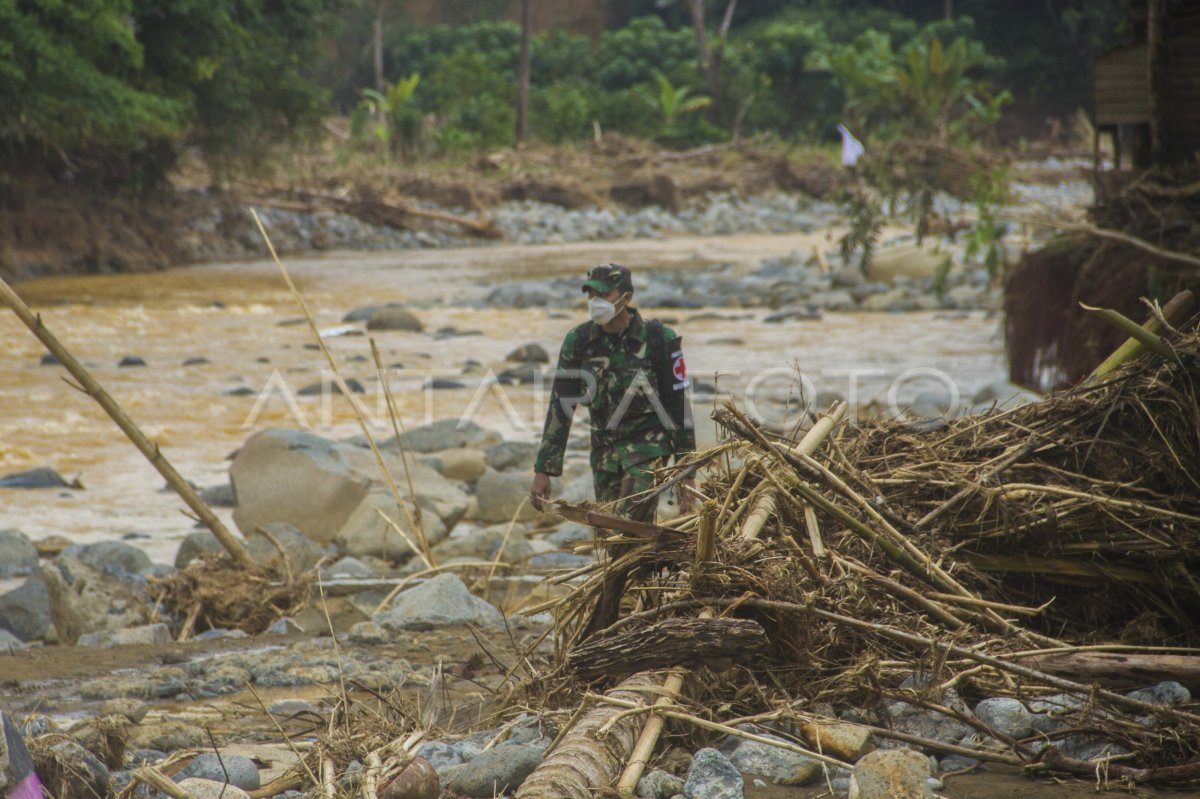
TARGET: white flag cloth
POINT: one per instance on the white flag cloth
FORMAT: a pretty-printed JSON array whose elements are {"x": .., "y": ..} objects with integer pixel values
[{"x": 852, "y": 148}]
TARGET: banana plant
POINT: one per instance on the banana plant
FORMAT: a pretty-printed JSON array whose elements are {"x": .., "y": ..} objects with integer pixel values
[
  {"x": 674, "y": 103},
  {"x": 387, "y": 108}
]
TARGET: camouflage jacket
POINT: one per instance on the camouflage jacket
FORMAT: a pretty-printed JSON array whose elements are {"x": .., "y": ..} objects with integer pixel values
[{"x": 638, "y": 404}]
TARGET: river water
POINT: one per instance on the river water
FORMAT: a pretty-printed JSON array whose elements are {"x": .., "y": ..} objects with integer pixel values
[{"x": 244, "y": 321}]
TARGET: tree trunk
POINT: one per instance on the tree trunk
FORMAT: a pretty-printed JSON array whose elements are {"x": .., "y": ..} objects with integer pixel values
[
  {"x": 710, "y": 56},
  {"x": 523, "y": 70},
  {"x": 1156, "y": 52},
  {"x": 584, "y": 763},
  {"x": 1122, "y": 669},
  {"x": 377, "y": 46},
  {"x": 672, "y": 642}
]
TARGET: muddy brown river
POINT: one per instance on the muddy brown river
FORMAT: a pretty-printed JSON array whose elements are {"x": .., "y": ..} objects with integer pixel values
[{"x": 242, "y": 319}]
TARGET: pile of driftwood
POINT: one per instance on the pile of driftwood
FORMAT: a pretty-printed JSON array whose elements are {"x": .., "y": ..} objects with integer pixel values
[{"x": 982, "y": 555}]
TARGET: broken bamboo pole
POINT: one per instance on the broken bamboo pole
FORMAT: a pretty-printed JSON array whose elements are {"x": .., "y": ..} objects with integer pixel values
[
  {"x": 1176, "y": 310},
  {"x": 149, "y": 449},
  {"x": 627, "y": 784}
]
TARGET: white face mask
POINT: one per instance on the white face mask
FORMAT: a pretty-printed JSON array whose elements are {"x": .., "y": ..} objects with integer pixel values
[{"x": 601, "y": 310}]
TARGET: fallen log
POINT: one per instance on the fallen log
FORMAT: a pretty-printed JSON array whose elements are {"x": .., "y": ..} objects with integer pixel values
[
  {"x": 1122, "y": 669},
  {"x": 584, "y": 760},
  {"x": 671, "y": 642}
]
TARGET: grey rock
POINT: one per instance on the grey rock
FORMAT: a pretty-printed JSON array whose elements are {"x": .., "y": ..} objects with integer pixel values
[
  {"x": 1050, "y": 713},
  {"x": 956, "y": 763},
  {"x": 394, "y": 318},
  {"x": 510, "y": 546},
  {"x": 295, "y": 477},
  {"x": 835, "y": 300},
  {"x": 293, "y": 708},
  {"x": 42, "y": 477},
  {"x": 219, "y": 632},
  {"x": 443, "y": 384},
  {"x": 503, "y": 496},
  {"x": 529, "y": 353},
  {"x": 330, "y": 387},
  {"x": 891, "y": 774},
  {"x": 131, "y": 636},
  {"x": 196, "y": 360},
  {"x": 365, "y": 312},
  {"x": 713, "y": 776},
  {"x": 25, "y": 610},
  {"x": 18, "y": 555},
  {"x": 131, "y": 360},
  {"x": 84, "y": 599},
  {"x": 347, "y": 567},
  {"x": 439, "y": 602},
  {"x": 440, "y": 754},
  {"x": 658, "y": 784},
  {"x": 510, "y": 455},
  {"x": 199, "y": 788},
  {"x": 9, "y": 642},
  {"x": 570, "y": 533},
  {"x": 1005, "y": 716},
  {"x": 1168, "y": 692},
  {"x": 302, "y": 552},
  {"x": 219, "y": 496},
  {"x": 132, "y": 709},
  {"x": 236, "y": 770},
  {"x": 201, "y": 543},
  {"x": 1089, "y": 747},
  {"x": 792, "y": 315},
  {"x": 496, "y": 771},
  {"x": 444, "y": 434},
  {"x": 114, "y": 557},
  {"x": 847, "y": 277},
  {"x": 522, "y": 375},
  {"x": 777, "y": 765},
  {"x": 366, "y": 534},
  {"x": 368, "y": 632},
  {"x": 1003, "y": 395},
  {"x": 82, "y": 772}
]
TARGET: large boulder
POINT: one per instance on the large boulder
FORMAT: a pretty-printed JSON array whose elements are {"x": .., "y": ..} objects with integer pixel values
[
  {"x": 367, "y": 534},
  {"x": 18, "y": 555},
  {"x": 486, "y": 544},
  {"x": 462, "y": 463},
  {"x": 111, "y": 556},
  {"x": 84, "y": 599},
  {"x": 295, "y": 477},
  {"x": 25, "y": 610},
  {"x": 503, "y": 496},
  {"x": 440, "y": 602},
  {"x": 445, "y": 434}
]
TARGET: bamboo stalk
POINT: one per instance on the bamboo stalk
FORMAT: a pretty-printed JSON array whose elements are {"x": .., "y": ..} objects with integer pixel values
[
  {"x": 813, "y": 525},
  {"x": 422, "y": 541},
  {"x": 1135, "y": 331},
  {"x": 1174, "y": 311},
  {"x": 644, "y": 747},
  {"x": 150, "y": 450},
  {"x": 706, "y": 543}
]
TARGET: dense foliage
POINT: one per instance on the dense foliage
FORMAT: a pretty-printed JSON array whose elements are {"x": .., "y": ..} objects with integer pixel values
[{"x": 115, "y": 87}]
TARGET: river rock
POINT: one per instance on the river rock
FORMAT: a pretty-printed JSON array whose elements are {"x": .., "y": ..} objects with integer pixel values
[
  {"x": 236, "y": 770},
  {"x": 113, "y": 557},
  {"x": 394, "y": 318},
  {"x": 833, "y": 300},
  {"x": 464, "y": 464},
  {"x": 497, "y": 771},
  {"x": 841, "y": 739},
  {"x": 510, "y": 455},
  {"x": 131, "y": 360},
  {"x": 9, "y": 642},
  {"x": 295, "y": 477},
  {"x": 211, "y": 789},
  {"x": 130, "y": 636},
  {"x": 778, "y": 765},
  {"x": 84, "y": 599},
  {"x": 368, "y": 632},
  {"x": 713, "y": 776},
  {"x": 347, "y": 567},
  {"x": 330, "y": 387},
  {"x": 42, "y": 477},
  {"x": 1168, "y": 692},
  {"x": 529, "y": 353},
  {"x": 365, "y": 312},
  {"x": 891, "y": 774},
  {"x": 367, "y": 534},
  {"x": 198, "y": 544},
  {"x": 77, "y": 772},
  {"x": 1003, "y": 395},
  {"x": 219, "y": 496},
  {"x": 569, "y": 533},
  {"x": 659, "y": 784},
  {"x": 18, "y": 555},
  {"x": 302, "y": 552},
  {"x": 418, "y": 780},
  {"x": 893, "y": 300},
  {"x": 25, "y": 610},
  {"x": 445, "y": 434},
  {"x": 1006, "y": 716},
  {"x": 524, "y": 374},
  {"x": 440, "y": 602},
  {"x": 132, "y": 709},
  {"x": 486, "y": 544},
  {"x": 503, "y": 496}
]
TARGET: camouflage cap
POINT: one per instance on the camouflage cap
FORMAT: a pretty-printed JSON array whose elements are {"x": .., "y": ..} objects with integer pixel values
[{"x": 606, "y": 277}]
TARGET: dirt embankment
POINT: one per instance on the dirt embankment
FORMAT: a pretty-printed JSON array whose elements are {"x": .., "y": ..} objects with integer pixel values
[{"x": 52, "y": 227}]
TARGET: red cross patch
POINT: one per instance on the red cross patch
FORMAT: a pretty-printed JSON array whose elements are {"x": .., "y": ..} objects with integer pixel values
[{"x": 679, "y": 369}]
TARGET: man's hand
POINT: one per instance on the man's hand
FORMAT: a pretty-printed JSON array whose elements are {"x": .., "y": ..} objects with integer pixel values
[{"x": 540, "y": 491}]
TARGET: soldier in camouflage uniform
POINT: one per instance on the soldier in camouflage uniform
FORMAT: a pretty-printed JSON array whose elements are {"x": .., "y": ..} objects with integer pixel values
[
  {"x": 632, "y": 379},
  {"x": 630, "y": 375}
]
